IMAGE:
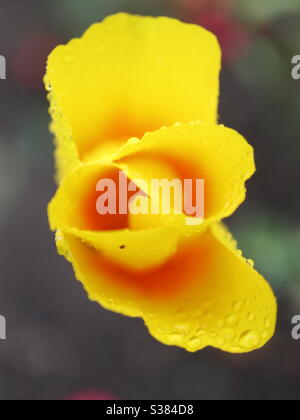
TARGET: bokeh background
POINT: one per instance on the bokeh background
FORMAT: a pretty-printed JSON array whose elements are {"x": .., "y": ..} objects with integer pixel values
[{"x": 59, "y": 344}]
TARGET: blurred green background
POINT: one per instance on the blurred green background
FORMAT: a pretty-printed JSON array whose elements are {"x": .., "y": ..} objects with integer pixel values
[{"x": 59, "y": 343}]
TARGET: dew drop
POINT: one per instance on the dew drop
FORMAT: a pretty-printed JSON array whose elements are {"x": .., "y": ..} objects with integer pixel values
[
  {"x": 175, "y": 337},
  {"x": 251, "y": 316},
  {"x": 200, "y": 332},
  {"x": 228, "y": 335},
  {"x": 59, "y": 236},
  {"x": 177, "y": 334},
  {"x": 249, "y": 340},
  {"x": 268, "y": 322},
  {"x": 251, "y": 263},
  {"x": 195, "y": 343},
  {"x": 134, "y": 140},
  {"x": 265, "y": 335},
  {"x": 237, "y": 305},
  {"x": 232, "y": 321}
]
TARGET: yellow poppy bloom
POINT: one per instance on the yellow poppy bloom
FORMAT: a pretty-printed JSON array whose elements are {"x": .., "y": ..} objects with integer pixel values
[{"x": 139, "y": 96}]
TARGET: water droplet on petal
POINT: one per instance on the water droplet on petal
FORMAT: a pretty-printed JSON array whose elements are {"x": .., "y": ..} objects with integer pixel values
[
  {"x": 178, "y": 334},
  {"x": 195, "y": 342},
  {"x": 251, "y": 263},
  {"x": 251, "y": 317},
  {"x": 249, "y": 340},
  {"x": 232, "y": 321},
  {"x": 268, "y": 322},
  {"x": 265, "y": 335},
  {"x": 237, "y": 305},
  {"x": 200, "y": 332},
  {"x": 228, "y": 335}
]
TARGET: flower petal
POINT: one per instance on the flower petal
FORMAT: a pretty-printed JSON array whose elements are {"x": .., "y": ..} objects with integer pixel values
[
  {"x": 123, "y": 247},
  {"x": 195, "y": 150},
  {"x": 132, "y": 74},
  {"x": 234, "y": 309},
  {"x": 73, "y": 211},
  {"x": 206, "y": 294}
]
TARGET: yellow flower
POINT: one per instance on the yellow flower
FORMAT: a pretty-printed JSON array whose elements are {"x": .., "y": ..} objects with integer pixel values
[{"x": 140, "y": 95}]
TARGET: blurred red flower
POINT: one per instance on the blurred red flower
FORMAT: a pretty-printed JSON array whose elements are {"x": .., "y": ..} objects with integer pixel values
[
  {"x": 232, "y": 35},
  {"x": 29, "y": 61},
  {"x": 91, "y": 395},
  {"x": 196, "y": 5},
  {"x": 218, "y": 17}
]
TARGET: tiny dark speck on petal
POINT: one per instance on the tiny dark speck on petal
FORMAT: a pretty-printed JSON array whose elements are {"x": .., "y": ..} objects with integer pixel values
[{"x": 122, "y": 246}]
